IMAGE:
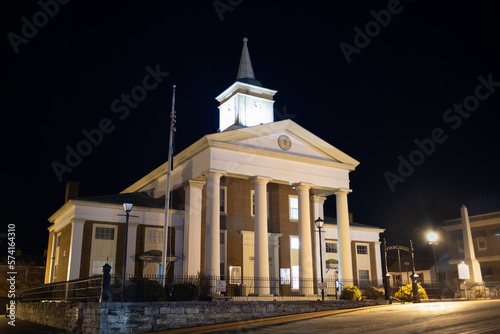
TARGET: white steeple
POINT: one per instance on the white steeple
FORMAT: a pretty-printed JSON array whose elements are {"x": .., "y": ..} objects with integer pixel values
[{"x": 245, "y": 102}]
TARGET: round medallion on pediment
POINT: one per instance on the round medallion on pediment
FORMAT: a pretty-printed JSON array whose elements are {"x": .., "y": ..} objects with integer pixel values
[{"x": 284, "y": 142}]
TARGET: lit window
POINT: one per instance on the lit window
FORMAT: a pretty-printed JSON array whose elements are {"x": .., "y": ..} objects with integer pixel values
[
  {"x": 285, "y": 275},
  {"x": 294, "y": 207},
  {"x": 331, "y": 247},
  {"x": 295, "y": 277},
  {"x": 234, "y": 275},
  {"x": 105, "y": 233},
  {"x": 361, "y": 249},
  {"x": 294, "y": 243}
]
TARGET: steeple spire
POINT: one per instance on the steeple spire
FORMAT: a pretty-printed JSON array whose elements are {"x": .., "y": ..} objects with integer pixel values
[{"x": 245, "y": 70}]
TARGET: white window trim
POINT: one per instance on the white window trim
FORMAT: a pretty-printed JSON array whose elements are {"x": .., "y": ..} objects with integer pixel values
[
  {"x": 361, "y": 255},
  {"x": 290, "y": 208},
  {"x": 92, "y": 250},
  {"x": 479, "y": 239},
  {"x": 148, "y": 244}
]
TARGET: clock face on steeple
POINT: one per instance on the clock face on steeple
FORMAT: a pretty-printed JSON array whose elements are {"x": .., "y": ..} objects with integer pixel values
[{"x": 255, "y": 105}]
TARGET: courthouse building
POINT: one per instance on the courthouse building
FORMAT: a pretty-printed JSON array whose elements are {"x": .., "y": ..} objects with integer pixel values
[{"x": 243, "y": 204}]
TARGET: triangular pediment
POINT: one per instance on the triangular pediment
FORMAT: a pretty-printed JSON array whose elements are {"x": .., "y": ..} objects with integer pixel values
[{"x": 284, "y": 138}]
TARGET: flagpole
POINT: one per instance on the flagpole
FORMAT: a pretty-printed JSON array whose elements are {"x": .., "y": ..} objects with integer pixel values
[{"x": 167, "y": 194}]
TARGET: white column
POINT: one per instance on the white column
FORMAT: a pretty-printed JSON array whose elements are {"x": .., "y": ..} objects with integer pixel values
[
  {"x": 52, "y": 258},
  {"x": 75, "y": 249},
  {"x": 344, "y": 240},
  {"x": 470, "y": 255},
  {"x": 318, "y": 212},
  {"x": 212, "y": 238},
  {"x": 305, "y": 241},
  {"x": 178, "y": 264},
  {"x": 378, "y": 263},
  {"x": 261, "y": 243},
  {"x": 191, "y": 257}
]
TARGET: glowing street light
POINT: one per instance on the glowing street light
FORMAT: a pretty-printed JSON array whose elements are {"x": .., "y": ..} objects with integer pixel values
[{"x": 433, "y": 238}]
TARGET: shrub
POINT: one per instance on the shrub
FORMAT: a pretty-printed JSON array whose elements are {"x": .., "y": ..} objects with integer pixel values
[
  {"x": 185, "y": 291},
  {"x": 148, "y": 290},
  {"x": 405, "y": 293},
  {"x": 350, "y": 293},
  {"x": 372, "y": 293}
]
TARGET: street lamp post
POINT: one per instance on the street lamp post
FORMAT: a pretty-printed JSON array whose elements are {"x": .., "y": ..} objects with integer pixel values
[
  {"x": 319, "y": 224},
  {"x": 433, "y": 237},
  {"x": 127, "y": 206}
]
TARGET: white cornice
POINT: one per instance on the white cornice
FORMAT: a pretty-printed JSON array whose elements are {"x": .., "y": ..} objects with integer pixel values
[{"x": 241, "y": 85}]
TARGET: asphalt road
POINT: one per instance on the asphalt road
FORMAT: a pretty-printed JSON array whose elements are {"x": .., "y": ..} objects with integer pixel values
[
  {"x": 441, "y": 317},
  {"x": 466, "y": 317},
  {"x": 27, "y": 327}
]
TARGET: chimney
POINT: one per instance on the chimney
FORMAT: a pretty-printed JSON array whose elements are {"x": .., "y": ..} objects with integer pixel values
[
  {"x": 72, "y": 188},
  {"x": 350, "y": 218}
]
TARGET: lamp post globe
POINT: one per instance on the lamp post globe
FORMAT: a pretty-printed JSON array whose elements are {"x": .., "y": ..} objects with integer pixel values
[{"x": 432, "y": 238}]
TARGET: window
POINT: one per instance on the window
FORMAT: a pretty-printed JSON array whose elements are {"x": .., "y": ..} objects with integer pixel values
[
  {"x": 58, "y": 240},
  {"x": 97, "y": 266},
  {"x": 481, "y": 243},
  {"x": 331, "y": 247},
  {"x": 295, "y": 277},
  {"x": 294, "y": 207},
  {"x": 361, "y": 249},
  {"x": 223, "y": 200},
  {"x": 103, "y": 249},
  {"x": 487, "y": 274},
  {"x": 294, "y": 243},
  {"x": 252, "y": 196},
  {"x": 285, "y": 275},
  {"x": 364, "y": 275},
  {"x": 460, "y": 246},
  {"x": 105, "y": 233},
  {"x": 154, "y": 236},
  {"x": 234, "y": 275}
]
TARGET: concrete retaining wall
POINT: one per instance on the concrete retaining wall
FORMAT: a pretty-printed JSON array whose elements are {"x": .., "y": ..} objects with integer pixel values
[{"x": 146, "y": 317}]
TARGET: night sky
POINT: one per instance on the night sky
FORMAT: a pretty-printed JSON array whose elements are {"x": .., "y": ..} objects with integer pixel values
[{"x": 386, "y": 82}]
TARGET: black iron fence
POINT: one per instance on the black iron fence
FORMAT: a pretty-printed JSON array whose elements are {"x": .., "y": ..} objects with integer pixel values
[{"x": 201, "y": 287}]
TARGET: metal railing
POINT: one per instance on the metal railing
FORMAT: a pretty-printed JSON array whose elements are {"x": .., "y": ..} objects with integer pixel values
[
  {"x": 201, "y": 287},
  {"x": 86, "y": 289}
]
